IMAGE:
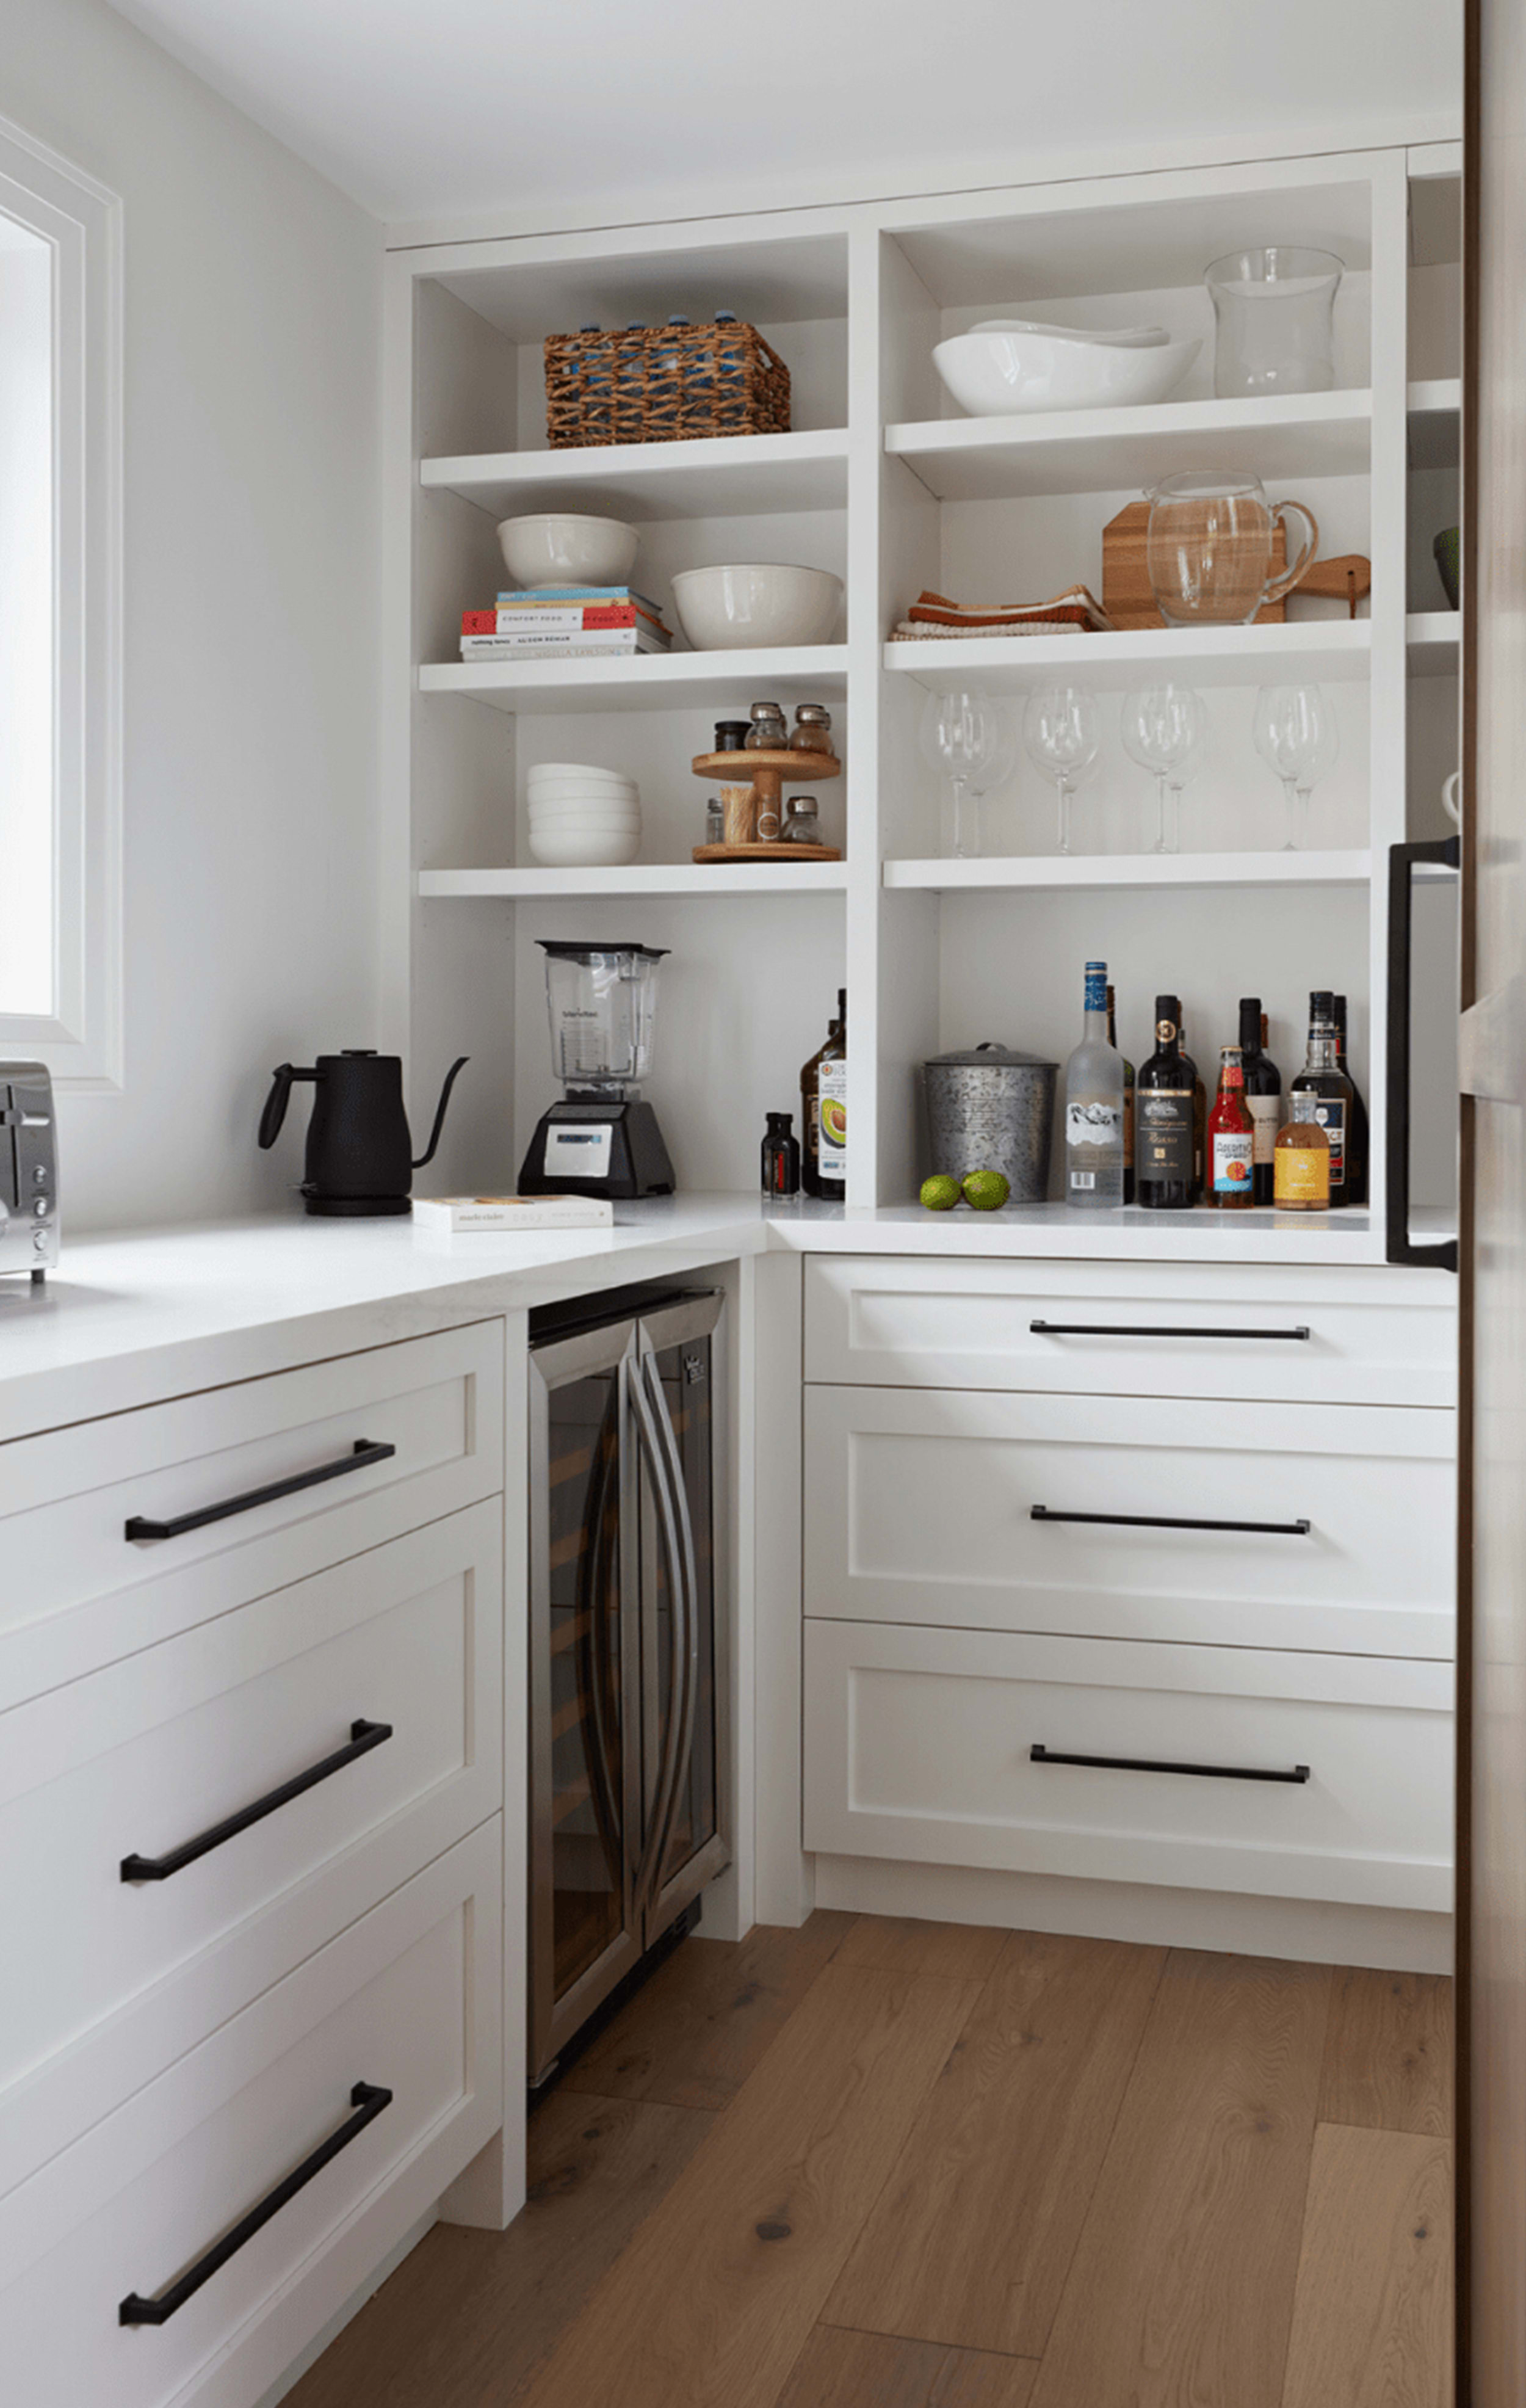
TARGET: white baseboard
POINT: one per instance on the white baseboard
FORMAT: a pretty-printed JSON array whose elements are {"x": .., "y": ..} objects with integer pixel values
[
  {"x": 1306, "y": 1931},
  {"x": 353, "y": 2307}
]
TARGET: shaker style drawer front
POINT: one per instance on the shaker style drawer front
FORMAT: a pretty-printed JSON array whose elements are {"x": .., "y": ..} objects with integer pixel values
[
  {"x": 1226, "y": 1769},
  {"x": 318, "y": 1745},
  {"x": 1252, "y": 1525},
  {"x": 118, "y": 1532},
  {"x": 309, "y": 2132},
  {"x": 1328, "y": 1336}
]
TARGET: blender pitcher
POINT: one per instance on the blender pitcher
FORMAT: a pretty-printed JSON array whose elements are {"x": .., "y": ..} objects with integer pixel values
[{"x": 1209, "y": 548}]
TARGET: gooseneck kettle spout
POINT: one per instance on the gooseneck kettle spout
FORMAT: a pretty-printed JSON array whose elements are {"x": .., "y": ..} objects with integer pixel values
[
  {"x": 450, "y": 1076},
  {"x": 360, "y": 1155}
]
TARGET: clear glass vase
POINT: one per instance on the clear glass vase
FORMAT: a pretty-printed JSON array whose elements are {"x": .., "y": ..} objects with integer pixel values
[{"x": 1274, "y": 313}]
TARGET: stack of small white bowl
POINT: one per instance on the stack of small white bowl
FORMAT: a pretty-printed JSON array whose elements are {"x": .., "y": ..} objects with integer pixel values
[{"x": 582, "y": 818}]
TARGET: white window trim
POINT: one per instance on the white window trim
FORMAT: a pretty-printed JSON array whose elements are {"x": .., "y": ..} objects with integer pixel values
[{"x": 82, "y": 1042}]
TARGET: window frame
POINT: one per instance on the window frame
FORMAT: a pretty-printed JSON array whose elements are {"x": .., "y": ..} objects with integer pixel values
[{"x": 80, "y": 219}]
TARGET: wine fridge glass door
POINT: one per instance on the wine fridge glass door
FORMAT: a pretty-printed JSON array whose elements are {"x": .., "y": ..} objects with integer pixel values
[{"x": 584, "y": 1710}]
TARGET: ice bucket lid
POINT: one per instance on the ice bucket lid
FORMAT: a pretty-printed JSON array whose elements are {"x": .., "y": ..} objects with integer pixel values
[{"x": 989, "y": 1057}]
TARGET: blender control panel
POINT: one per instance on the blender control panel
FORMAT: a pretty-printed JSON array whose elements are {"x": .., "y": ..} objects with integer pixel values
[{"x": 576, "y": 1149}]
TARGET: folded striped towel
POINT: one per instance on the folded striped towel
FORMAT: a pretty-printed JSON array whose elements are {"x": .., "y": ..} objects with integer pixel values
[{"x": 934, "y": 614}]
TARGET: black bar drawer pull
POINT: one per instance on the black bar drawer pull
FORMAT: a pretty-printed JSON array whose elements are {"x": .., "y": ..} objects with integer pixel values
[
  {"x": 1147, "y": 1329},
  {"x": 368, "y": 2099},
  {"x": 1173, "y": 1522},
  {"x": 363, "y": 1737},
  {"x": 365, "y": 1452},
  {"x": 1299, "y": 1774}
]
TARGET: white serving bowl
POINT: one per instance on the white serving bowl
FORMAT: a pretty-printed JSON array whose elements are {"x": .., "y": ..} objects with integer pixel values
[
  {"x": 577, "y": 769},
  {"x": 997, "y": 374},
  {"x": 560, "y": 548},
  {"x": 584, "y": 848},
  {"x": 585, "y": 815},
  {"x": 578, "y": 781},
  {"x": 1128, "y": 339},
  {"x": 731, "y": 609},
  {"x": 622, "y": 807}
]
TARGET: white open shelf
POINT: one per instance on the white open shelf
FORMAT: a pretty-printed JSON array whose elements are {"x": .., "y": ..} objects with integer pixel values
[
  {"x": 1334, "y": 650},
  {"x": 1160, "y": 869},
  {"x": 1432, "y": 641},
  {"x": 646, "y": 682},
  {"x": 1107, "y": 450},
  {"x": 643, "y": 877},
  {"x": 1435, "y": 422},
  {"x": 724, "y": 476}
]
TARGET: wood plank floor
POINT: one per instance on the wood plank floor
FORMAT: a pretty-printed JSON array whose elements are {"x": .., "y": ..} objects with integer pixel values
[{"x": 887, "y": 2164}]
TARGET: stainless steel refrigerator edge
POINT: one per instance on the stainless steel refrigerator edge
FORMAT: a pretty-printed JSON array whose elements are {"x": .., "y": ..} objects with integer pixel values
[{"x": 645, "y": 1632}]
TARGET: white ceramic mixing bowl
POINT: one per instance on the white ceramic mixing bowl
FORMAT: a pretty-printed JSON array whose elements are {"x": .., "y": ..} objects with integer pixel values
[
  {"x": 731, "y": 609},
  {"x": 559, "y": 548}
]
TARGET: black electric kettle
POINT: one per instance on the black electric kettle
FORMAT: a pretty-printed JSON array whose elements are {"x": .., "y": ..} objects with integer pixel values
[{"x": 360, "y": 1155}]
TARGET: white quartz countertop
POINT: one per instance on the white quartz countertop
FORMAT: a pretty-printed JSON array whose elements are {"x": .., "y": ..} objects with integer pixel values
[{"x": 157, "y": 1312}]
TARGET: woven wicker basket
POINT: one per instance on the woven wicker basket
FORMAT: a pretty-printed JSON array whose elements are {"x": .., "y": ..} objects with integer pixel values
[{"x": 660, "y": 384}]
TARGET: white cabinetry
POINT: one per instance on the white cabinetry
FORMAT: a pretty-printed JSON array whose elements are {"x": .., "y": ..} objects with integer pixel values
[
  {"x": 250, "y": 1857},
  {"x": 1224, "y": 1577}
]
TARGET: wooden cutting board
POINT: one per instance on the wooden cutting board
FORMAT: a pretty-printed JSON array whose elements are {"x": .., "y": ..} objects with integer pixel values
[{"x": 1126, "y": 594}]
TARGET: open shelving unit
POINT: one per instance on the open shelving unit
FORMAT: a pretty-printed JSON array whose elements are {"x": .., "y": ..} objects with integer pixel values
[{"x": 884, "y": 482}]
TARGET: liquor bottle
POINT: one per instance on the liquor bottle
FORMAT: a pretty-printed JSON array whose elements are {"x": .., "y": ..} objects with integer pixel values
[
  {"x": 823, "y": 1113},
  {"x": 1200, "y": 1116},
  {"x": 1322, "y": 1077},
  {"x": 1231, "y": 1139},
  {"x": 1262, "y": 1094},
  {"x": 1358, "y": 1138},
  {"x": 1164, "y": 1109},
  {"x": 1301, "y": 1159},
  {"x": 1127, "y": 1097},
  {"x": 1094, "y": 1105}
]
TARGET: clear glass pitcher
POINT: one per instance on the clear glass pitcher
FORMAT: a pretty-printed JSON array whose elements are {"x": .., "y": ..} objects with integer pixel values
[
  {"x": 1274, "y": 313},
  {"x": 1209, "y": 548}
]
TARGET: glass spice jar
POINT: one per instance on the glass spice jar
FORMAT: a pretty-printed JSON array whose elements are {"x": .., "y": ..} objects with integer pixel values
[
  {"x": 770, "y": 729},
  {"x": 731, "y": 734},
  {"x": 801, "y": 824},
  {"x": 812, "y": 729}
]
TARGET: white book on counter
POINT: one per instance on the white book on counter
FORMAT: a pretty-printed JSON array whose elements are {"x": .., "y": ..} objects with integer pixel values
[{"x": 457, "y": 1216}]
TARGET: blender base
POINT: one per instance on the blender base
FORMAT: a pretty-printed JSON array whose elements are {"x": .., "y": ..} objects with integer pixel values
[{"x": 583, "y": 1148}]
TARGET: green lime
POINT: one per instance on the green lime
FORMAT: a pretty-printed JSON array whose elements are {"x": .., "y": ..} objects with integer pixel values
[
  {"x": 940, "y": 1193},
  {"x": 987, "y": 1190}
]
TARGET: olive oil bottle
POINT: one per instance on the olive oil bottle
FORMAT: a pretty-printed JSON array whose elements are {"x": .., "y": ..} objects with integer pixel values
[{"x": 823, "y": 1113}]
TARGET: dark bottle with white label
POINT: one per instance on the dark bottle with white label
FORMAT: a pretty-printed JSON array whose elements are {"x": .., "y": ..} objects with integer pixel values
[
  {"x": 1358, "y": 1135},
  {"x": 1323, "y": 1079},
  {"x": 1164, "y": 1113},
  {"x": 1262, "y": 1096},
  {"x": 823, "y": 1113}
]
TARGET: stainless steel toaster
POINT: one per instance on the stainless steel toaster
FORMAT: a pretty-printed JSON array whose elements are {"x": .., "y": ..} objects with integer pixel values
[{"x": 28, "y": 1170}]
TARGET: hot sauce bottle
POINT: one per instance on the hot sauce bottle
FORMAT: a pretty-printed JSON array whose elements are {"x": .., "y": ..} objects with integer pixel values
[{"x": 1231, "y": 1137}]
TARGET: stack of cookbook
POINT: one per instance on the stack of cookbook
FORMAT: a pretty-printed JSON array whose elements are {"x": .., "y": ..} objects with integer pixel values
[{"x": 565, "y": 622}]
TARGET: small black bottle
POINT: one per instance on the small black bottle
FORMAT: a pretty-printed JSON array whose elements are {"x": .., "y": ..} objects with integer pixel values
[
  {"x": 780, "y": 1157},
  {"x": 1263, "y": 1099}
]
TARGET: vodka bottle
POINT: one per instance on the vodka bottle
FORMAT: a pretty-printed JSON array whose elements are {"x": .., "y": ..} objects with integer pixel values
[{"x": 1094, "y": 1105}]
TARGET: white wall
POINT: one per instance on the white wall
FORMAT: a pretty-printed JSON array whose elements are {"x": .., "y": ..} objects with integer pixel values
[
  {"x": 26, "y": 621},
  {"x": 253, "y": 334}
]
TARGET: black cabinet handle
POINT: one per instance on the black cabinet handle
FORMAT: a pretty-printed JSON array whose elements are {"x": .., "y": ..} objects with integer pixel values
[
  {"x": 1143, "y": 1329},
  {"x": 368, "y": 2099},
  {"x": 1173, "y": 1522},
  {"x": 366, "y": 1451},
  {"x": 1299, "y": 1772},
  {"x": 363, "y": 1737}
]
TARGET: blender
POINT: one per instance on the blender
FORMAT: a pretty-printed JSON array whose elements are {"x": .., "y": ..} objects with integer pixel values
[{"x": 603, "y": 1138}]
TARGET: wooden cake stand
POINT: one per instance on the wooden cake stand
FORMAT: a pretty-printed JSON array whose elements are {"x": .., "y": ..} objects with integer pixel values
[{"x": 755, "y": 811}]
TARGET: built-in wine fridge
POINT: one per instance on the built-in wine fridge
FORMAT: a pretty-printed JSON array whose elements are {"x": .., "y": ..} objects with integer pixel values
[{"x": 627, "y": 1747}]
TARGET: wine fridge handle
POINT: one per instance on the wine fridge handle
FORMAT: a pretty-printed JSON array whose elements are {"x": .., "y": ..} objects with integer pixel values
[
  {"x": 691, "y": 1635},
  {"x": 649, "y": 1865},
  {"x": 1402, "y": 1249}
]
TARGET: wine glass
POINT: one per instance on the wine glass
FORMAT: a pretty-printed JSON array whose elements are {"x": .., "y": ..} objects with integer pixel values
[
  {"x": 1163, "y": 728},
  {"x": 1062, "y": 730},
  {"x": 961, "y": 735},
  {"x": 1297, "y": 737}
]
